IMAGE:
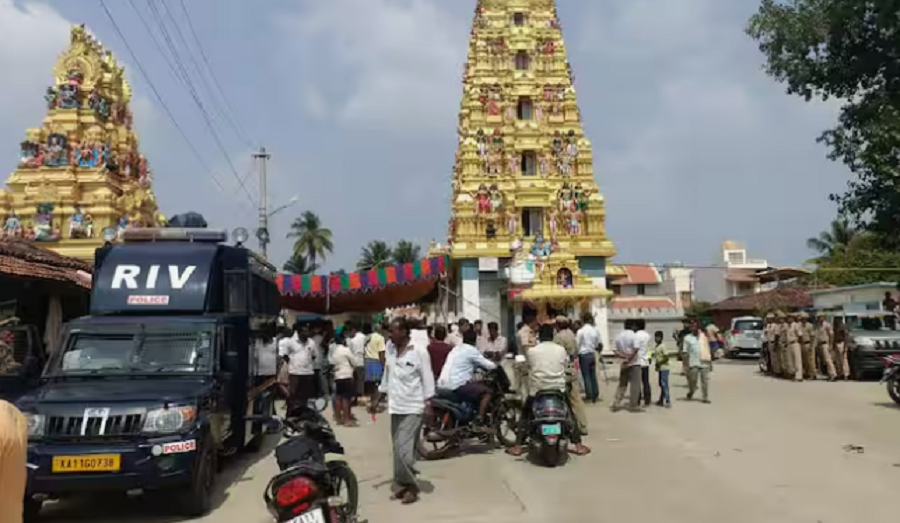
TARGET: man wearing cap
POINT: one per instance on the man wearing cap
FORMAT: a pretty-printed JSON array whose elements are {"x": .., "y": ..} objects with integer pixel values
[
  {"x": 824, "y": 340},
  {"x": 807, "y": 332},
  {"x": 795, "y": 353},
  {"x": 771, "y": 335}
]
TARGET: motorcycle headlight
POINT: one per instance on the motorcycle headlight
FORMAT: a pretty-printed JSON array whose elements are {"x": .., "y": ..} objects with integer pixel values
[
  {"x": 169, "y": 419},
  {"x": 37, "y": 423}
]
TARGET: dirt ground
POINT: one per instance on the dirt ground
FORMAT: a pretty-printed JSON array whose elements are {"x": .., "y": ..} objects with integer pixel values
[{"x": 765, "y": 450}]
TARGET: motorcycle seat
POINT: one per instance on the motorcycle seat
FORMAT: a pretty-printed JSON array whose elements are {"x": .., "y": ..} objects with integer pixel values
[{"x": 457, "y": 408}]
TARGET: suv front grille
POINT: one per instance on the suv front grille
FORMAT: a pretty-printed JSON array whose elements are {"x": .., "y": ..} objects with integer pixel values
[{"x": 76, "y": 427}]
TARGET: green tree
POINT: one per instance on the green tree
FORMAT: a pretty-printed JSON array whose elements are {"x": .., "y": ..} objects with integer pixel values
[
  {"x": 406, "y": 252},
  {"x": 855, "y": 266},
  {"x": 698, "y": 309},
  {"x": 376, "y": 254},
  {"x": 311, "y": 240},
  {"x": 833, "y": 241},
  {"x": 299, "y": 264},
  {"x": 848, "y": 50}
]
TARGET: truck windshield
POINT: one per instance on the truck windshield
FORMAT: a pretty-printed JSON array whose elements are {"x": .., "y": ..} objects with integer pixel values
[
  {"x": 869, "y": 323},
  {"x": 137, "y": 349}
]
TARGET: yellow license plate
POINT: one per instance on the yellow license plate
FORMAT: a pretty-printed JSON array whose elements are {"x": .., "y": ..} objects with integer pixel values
[{"x": 88, "y": 463}]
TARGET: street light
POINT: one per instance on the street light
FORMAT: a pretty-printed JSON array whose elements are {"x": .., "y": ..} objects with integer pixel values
[{"x": 294, "y": 199}]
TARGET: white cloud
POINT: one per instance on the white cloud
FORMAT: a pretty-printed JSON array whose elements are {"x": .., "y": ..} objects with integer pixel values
[{"x": 395, "y": 59}]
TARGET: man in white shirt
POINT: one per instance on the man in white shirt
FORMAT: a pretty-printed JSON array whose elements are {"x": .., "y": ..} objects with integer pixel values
[
  {"x": 458, "y": 371},
  {"x": 409, "y": 385},
  {"x": 299, "y": 354},
  {"x": 642, "y": 340},
  {"x": 588, "y": 341},
  {"x": 356, "y": 342},
  {"x": 547, "y": 365},
  {"x": 630, "y": 371}
]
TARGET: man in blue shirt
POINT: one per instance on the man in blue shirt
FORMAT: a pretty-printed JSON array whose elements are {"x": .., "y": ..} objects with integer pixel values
[{"x": 459, "y": 371}]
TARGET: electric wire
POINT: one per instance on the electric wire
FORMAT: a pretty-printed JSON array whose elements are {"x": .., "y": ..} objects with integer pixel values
[
  {"x": 233, "y": 120},
  {"x": 158, "y": 96},
  {"x": 197, "y": 101}
]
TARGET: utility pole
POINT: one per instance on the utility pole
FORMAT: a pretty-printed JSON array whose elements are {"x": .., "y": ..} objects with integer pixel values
[{"x": 262, "y": 233}]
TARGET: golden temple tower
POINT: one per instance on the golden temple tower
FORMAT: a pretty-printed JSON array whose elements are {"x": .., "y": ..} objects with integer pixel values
[
  {"x": 81, "y": 171},
  {"x": 527, "y": 217}
]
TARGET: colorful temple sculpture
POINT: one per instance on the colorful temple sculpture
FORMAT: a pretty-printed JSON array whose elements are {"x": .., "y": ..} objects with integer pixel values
[
  {"x": 527, "y": 228},
  {"x": 81, "y": 172}
]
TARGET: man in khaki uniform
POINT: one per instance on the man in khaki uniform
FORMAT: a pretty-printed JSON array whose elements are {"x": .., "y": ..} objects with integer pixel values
[
  {"x": 840, "y": 348},
  {"x": 784, "y": 362},
  {"x": 795, "y": 353},
  {"x": 810, "y": 371},
  {"x": 824, "y": 341},
  {"x": 566, "y": 338},
  {"x": 771, "y": 340}
]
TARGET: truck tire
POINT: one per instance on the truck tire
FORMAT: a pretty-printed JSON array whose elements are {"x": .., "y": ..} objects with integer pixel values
[{"x": 196, "y": 500}]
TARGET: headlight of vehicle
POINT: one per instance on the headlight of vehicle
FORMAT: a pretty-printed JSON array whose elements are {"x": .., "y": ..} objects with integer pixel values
[
  {"x": 169, "y": 419},
  {"x": 37, "y": 423},
  {"x": 862, "y": 341}
]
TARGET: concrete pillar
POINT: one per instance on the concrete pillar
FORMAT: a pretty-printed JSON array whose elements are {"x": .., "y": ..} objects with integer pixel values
[{"x": 469, "y": 289}]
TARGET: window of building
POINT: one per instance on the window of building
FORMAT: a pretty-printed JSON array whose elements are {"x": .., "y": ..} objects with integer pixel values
[
  {"x": 735, "y": 257},
  {"x": 519, "y": 19},
  {"x": 523, "y": 61},
  {"x": 641, "y": 289},
  {"x": 525, "y": 108},
  {"x": 529, "y": 163},
  {"x": 533, "y": 221},
  {"x": 617, "y": 290}
]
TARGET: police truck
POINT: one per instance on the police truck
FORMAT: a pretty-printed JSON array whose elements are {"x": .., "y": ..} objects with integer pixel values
[{"x": 157, "y": 385}]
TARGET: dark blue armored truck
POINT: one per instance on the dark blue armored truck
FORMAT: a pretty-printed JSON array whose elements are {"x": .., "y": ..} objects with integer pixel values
[{"x": 156, "y": 385}]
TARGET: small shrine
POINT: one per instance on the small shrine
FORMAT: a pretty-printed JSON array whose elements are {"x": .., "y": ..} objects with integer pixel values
[
  {"x": 81, "y": 171},
  {"x": 527, "y": 228}
]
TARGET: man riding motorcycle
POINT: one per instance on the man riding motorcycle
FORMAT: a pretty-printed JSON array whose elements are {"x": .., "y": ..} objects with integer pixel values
[
  {"x": 547, "y": 365},
  {"x": 459, "y": 371}
]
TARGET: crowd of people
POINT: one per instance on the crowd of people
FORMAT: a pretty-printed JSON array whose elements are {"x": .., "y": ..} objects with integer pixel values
[{"x": 796, "y": 344}]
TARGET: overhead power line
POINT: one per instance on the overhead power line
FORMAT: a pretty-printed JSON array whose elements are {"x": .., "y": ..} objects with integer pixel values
[{"x": 158, "y": 96}]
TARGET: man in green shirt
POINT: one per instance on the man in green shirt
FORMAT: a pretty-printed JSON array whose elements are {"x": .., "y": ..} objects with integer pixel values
[{"x": 661, "y": 356}]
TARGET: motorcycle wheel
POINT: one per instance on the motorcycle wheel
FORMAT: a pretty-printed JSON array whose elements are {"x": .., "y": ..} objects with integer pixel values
[
  {"x": 345, "y": 486},
  {"x": 551, "y": 455},
  {"x": 432, "y": 445},
  {"x": 507, "y": 417},
  {"x": 893, "y": 388}
]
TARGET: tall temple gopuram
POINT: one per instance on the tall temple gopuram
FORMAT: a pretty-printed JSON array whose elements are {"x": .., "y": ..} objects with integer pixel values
[
  {"x": 528, "y": 223},
  {"x": 81, "y": 171}
]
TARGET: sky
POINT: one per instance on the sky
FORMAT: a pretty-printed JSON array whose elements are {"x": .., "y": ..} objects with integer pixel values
[{"x": 357, "y": 102}]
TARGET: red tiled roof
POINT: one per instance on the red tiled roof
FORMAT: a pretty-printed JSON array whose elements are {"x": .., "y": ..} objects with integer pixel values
[
  {"x": 638, "y": 274},
  {"x": 781, "y": 298},
  {"x": 642, "y": 303},
  {"x": 25, "y": 259}
]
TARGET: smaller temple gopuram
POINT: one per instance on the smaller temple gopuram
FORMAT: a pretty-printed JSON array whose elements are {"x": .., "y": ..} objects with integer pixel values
[
  {"x": 527, "y": 230},
  {"x": 81, "y": 171}
]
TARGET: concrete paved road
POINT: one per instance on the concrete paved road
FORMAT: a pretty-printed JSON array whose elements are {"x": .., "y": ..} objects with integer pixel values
[{"x": 765, "y": 450}]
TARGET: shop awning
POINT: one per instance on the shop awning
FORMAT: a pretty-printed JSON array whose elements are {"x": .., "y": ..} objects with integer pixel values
[{"x": 364, "y": 291}]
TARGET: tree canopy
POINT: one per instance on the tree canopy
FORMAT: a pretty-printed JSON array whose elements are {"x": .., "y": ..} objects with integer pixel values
[
  {"x": 299, "y": 264},
  {"x": 376, "y": 254},
  {"x": 406, "y": 252},
  {"x": 848, "y": 50},
  {"x": 831, "y": 242},
  {"x": 311, "y": 240}
]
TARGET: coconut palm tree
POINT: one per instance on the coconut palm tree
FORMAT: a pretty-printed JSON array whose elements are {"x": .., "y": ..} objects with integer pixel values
[
  {"x": 311, "y": 240},
  {"x": 299, "y": 265},
  {"x": 833, "y": 241},
  {"x": 406, "y": 252},
  {"x": 376, "y": 254}
]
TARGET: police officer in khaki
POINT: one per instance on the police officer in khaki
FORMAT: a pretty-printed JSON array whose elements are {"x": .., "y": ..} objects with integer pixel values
[
  {"x": 795, "y": 353},
  {"x": 784, "y": 362},
  {"x": 824, "y": 341},
  {"x": 807, "y": 332},
  {"x": 771, "y": 337}
]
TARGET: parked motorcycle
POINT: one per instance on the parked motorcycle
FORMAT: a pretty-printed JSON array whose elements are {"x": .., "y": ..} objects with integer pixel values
[
  {"x": 453, "y": 421},
  {"x": 310, "y": 487},
  {"x": 765, "y": 363},
  {"x": 891, "y": 376},
  {"x": 550, "y": 427}
]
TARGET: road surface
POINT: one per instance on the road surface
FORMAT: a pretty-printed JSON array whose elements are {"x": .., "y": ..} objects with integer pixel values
[{"x": 765, "y": 451}]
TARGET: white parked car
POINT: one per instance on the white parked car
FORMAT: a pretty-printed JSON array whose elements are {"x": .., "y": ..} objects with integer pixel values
[{"x": 745, "y": 336}]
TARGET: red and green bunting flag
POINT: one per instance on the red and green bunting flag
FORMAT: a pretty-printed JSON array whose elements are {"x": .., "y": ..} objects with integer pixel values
[{"x": 314, "y": 284}]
